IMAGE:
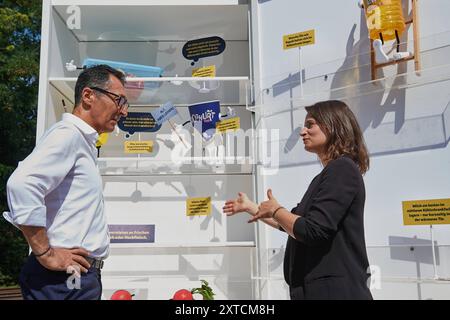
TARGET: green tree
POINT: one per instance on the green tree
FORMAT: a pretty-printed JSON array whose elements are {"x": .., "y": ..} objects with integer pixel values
[{"x": 20, "y": 26}]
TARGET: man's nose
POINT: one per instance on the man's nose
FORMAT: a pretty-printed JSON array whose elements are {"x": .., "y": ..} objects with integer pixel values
[
  {"x": 124, "y": 112},
  {"x": 303, "y": 132}
]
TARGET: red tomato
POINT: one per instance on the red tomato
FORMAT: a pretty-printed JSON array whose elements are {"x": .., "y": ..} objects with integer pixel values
[
  {"x": 183, "y": 294},
  {"x": 121, "y": 295}
]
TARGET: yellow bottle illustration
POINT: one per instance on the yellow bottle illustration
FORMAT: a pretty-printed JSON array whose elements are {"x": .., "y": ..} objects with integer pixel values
[
  {"x": 384, "y": 19},
  {"x": 385, "y": 22}
]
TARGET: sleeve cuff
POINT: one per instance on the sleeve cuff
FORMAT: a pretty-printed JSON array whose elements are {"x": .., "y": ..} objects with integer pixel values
[
  {"x": 35, "y": 217},
  {"x": 300, "y": 229}
]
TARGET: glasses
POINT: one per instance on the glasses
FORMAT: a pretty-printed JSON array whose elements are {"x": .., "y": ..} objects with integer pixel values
[{"x": 120, "y": 101}]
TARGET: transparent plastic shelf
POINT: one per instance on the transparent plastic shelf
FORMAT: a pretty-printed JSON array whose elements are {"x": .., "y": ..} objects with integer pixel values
[
  {"x": 403, "y": 271},
  {"x": 159, "y": 271},
  {"x": 185, "y": 245},
  {"x": 396, "y": 263},
  {"x": 181, "y": 91},
  {"x": 350, "y": 78},
  {"x": 163, "y": 287},
  {"x": 130, "y": 166}
]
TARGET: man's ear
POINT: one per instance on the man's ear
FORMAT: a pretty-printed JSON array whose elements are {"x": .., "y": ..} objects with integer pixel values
[{"x": 87, "y": 97}]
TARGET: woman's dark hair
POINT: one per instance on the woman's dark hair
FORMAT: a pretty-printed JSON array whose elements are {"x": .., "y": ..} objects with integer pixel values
[
  {"x": 96, "y": 76},
  {"x": 344, "y": 136}
]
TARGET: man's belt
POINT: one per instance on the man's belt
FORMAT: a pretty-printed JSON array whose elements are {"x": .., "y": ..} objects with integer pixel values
[{"x": 96, "y": 263}]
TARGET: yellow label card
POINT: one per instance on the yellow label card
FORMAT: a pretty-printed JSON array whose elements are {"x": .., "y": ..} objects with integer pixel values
[
  {"x": 228, "y": 124},
  {"x": 138, "y": 146},
  {"x": 209, "y": 71},
  {"x": 198, "y": 206},
  {"x": 426, "y": 212},
  {"x": 299, "y": 39}
]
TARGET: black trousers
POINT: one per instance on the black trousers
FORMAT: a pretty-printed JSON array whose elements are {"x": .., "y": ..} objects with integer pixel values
[{"x": 39, "y": 283}]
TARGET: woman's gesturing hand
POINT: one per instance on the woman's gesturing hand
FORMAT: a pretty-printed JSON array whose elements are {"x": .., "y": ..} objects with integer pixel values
[
  {"x": 241, "y": 204},
  {"x": 266, "y": 208}
]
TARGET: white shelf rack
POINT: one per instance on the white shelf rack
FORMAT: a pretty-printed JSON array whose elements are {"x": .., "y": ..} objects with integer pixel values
[{"x": 181, "y": 91}]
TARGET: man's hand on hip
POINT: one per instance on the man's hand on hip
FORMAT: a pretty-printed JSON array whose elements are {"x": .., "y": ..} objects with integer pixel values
[{"x": 60, "y": 259}]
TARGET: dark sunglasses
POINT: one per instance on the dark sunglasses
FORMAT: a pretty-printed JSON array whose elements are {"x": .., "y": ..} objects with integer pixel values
[{"x": 120, "y": 101}]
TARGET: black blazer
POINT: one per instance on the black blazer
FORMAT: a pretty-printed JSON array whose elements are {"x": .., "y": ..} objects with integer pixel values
[{"x": 328, "y": 258}]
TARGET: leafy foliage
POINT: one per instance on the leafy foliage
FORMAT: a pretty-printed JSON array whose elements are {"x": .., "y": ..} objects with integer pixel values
[
  {"x": 205, "y": 290},
  {"x": 20, "y": 26}
]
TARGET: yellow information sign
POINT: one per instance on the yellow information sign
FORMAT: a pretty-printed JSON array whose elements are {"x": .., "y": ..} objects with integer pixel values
[
  {"x": 198, "y": 206},
  {"x": 299, "y": 39},
  {"x": 209, "y": 71},
  {"x": 426, "y": 212},
  {"x": 228, "y": 124},
  {"x": 138, "y": 147}
]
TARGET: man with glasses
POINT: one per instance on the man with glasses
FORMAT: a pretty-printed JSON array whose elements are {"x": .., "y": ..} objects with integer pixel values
[{"x": 55, "y": 194}]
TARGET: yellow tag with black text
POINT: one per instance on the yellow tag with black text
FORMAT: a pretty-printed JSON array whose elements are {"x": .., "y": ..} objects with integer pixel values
[
  {"x": 426, "y": 212},
  {"x": 209, "y": 72},
  {"x": 198, "y": 206},
  {"x": 228, "y": 124},
  {"x": 138, "y": 147},
  {"x": 299, "y": 39}
]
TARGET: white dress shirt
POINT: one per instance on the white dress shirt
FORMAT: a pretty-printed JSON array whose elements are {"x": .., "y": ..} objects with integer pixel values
[{"x": 58, "y": 186}]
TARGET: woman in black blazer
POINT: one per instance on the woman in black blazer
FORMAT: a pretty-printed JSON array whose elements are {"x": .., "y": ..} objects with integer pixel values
[{"x": 326, "y": 254}]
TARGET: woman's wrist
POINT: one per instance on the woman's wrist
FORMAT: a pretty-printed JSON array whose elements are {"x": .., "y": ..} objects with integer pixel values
[
  {"x": 276, "y": 210},
  {"x": 253, "y": 209}
]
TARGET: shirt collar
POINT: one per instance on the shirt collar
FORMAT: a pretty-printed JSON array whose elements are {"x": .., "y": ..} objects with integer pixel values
[{"x": 89, "y": 132}]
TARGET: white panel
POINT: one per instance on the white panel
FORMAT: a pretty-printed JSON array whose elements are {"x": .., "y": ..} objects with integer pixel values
[
  {"x": 405, "y": 120},
  {"x": 399, "y": 177},
  {"x": 161, "y": 200}
]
